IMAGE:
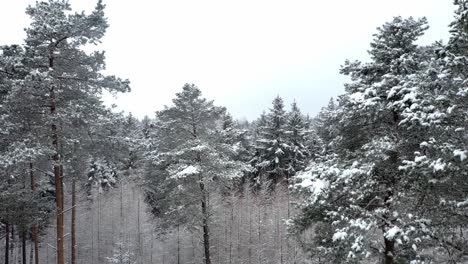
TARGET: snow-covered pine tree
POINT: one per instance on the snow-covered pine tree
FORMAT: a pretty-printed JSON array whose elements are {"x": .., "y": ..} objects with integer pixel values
[
  {"x": 272, "y": 150},
  {"x": 435, "y": 102},
  {"x": 193, "y": 159},
  {"x": 322, "y": 125},
  {"x": 357, "y": 190},
  {"x": 23, "y": 145},
  {"x": 296, "y": 136},
  {"x": 63, "y": 77}
]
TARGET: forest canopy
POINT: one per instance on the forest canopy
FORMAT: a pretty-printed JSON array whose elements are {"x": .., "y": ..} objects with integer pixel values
[{"x": 378, "y": 176}]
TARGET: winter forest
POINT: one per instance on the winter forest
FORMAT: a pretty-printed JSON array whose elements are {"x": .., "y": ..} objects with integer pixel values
[{"x": 380, "y": 175}]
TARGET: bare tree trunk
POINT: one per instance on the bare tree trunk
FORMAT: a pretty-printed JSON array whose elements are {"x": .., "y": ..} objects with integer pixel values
[
  {"x": 206, "y": 231},
  {"x": 276, "y": 222},
  {"x": 47, "y": 249},
  {"x": 92, "y": 234},
  {"x": 35, "y": 235},
  {"x": 239, "y": 225},
  {"x": 16, "y": 248},
  {"x": 98, "y": 242},
  {"x": 178, "y": 245},
  {"x": 389, "y": 251},
  {"x": 140, "y": 244},
  {"x": 194, "y": 256},
  {"x": 73, "y": 221},
  {"x": 226, "y": 231},
  {"x": 218, "y": 249},
  {"x": 260, "y": 249},
  {"x": 389, "y": 244},
  {"x": 230, "y": 231},
  {"x": 12, "y": 244},
  {"x": 7, "y": 243},
  {"x": 31, "y": 254},
  {"x": 24, "y": 249},
  {"x": 281, "y": 245},
  {"x": 249, "y": 204},
  {"x": 152, "y": 246},
  {"x": 56, "y": 159},
  {"x": 122, "y": 224}
]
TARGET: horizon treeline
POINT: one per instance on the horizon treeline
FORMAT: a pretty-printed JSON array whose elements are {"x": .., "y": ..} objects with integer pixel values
[{"x": 380, "y": 175}]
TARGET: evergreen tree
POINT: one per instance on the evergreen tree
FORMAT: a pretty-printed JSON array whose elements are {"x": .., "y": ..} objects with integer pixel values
[
  {"x": 194, "y": 161},
  {"x": 59, "y": 80},
  {"x": 272, "y": 149},
  {"x": 358, "y": 186},
  {"x": 297, "y": 134}
]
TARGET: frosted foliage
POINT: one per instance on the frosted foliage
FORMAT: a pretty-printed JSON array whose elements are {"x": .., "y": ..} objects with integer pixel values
[{"x": 399, "y": 128}]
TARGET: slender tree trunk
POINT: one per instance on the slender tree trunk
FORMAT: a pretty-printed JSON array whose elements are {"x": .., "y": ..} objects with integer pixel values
[
  {"x": 7, "y": 243},
  {"x": 140, "y": 244},
  {"x": 178, "y": 245},
  {"x": 16, "y": 248},
  {"x": 92, "y": 234},
  {"x": 31, "y": 253},
  {"x": 152, "y": 247},
  {"x": 260, "y": 246},
  {"x": 35, "y": 238},
  {"x": 206, "y": 230},
  {"x": 58, "y": 179},
  {"x": 218, "y": 249},
  {"x": 98, "y": 245},
  {"x": 24, "y": 248},
  {"x": 73, "y": 221},
  {"x": 239, "y": 225},
  {"x": 194, "y": 256},
  {"x": 230, "y": 231},
  {"x": 12, "y": 244},
  {"x": 249, "y": 206},
  {"x": 35, "y": 235},
  {"x": 389, "y": 244},
  {"x": 389, "y": 251},
  {"x": 226, "y": 231},
  {"x": 122, "y": 226},
  {"x": 288, "y": 240},
  {"x": 47, "y": 249},
  {"x": 276, "y": 221}
]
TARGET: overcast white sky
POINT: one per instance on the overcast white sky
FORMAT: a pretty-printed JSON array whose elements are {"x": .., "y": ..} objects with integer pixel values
[{"x": 240, "y": 53}]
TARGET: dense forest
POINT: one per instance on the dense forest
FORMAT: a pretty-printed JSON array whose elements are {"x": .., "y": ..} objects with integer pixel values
[{"x": 380, "y": 175}]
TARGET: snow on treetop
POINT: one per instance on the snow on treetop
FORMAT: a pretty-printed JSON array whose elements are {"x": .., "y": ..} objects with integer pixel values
[
  {"x": 460, "y": 154},
  {"x": 340, "y": 235},
  {"x": 187, "y": 171},
  {"x": 392, "y": 232}
]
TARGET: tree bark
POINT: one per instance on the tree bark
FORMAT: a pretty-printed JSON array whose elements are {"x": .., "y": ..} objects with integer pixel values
[
  {"x": 389, "y": 244},
  {"x": 73, "y": 222},
  {"x": 178, "y": 245},
  {"x": 12, "y": 244},
  {"x": 206, "y": 230},
  {"x": 140, "y": 244},
  {"x": 35, "y": 235},
  {"x": 239, "y": 226},
  {"x": 31, "y": 254},
  {"x": 23, "y": 247},
  {"x": 389, "y": 251},
  {"x": 98, "y": 244},
  {"x": 7, "y": 243},
  {"x": 56, "y": 159},
  {"x": 260, "y": 249},
  {"x": 230, "y": 230},
  {"x": 250, "y": 208}
]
